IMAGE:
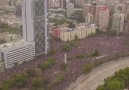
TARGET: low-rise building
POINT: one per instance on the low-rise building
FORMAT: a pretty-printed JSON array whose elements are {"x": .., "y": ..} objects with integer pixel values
[
  {"x": 68, "y": 34},
  {"x": 8, "y": 37},
  {"x": 89, "y": 18},
  {"x": 16, "y": 53}
]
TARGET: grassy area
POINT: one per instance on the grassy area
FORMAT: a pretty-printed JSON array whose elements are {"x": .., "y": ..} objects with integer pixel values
[
  {"x": 80, "y": 56},
  {"x": 58, "y": 79},
  {"x": 47, "y": 64},
  {"x": 94, "y": 53},
  {"x": 87, "y": 68},
  {"x": 67, "y": 46}
]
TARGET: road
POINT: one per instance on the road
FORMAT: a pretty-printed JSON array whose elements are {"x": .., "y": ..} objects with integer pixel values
[{"x": 97, "y": 75}]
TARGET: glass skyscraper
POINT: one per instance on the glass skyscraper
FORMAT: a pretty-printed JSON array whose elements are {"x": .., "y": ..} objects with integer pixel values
[{"x": 35, "y": 24}]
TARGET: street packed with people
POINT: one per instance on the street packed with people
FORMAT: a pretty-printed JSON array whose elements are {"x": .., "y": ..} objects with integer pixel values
[{"x": 106, "y": 45}]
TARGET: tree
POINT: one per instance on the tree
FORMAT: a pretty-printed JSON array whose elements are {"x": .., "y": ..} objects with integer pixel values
[
  {"x": 119, "y": 81},
  {"x": 94, "y": 53},
  {"x": 21, "y": 79},
  {"x": 76, "y": 37},
  {"x": 52, "y": 51},
  {"x": 37, "y": 83},
  {"x": 80, "y": 56},
  {"x": 100, "y": 87},
  {"x": 71, "y": 25},
  {"x": 66, "y": 47},
  {"x": 87, "y": 68},
  {"x": 31, "y": 72},
  {"x": 58, "y": 79},
  {"x": 47, "y": 64},
  {"x": 115, "y": 85},
  {"x": 79, "y": 16},
  {"x": 8, "y": 84},
  {"x": 63, "y": 66}
]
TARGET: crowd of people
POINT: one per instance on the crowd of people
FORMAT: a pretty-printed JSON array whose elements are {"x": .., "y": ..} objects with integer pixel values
[{"x": 106, "y": 45}]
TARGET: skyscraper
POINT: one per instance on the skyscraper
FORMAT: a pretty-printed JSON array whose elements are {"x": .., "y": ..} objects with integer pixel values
[
  {"x": 118, "y": 22},
  {"x": 35, "y": 24},
  {"x": 102, "y": 16}
]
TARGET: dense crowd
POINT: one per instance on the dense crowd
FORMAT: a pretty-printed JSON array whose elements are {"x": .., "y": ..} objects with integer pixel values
[{"x": 105, "y": 44}]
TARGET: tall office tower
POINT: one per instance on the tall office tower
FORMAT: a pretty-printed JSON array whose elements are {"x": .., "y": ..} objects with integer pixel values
[
  {"x": 63, "y": 4},
  {"x": 70, "y": 9},
  {"x": 118, "y": 22},
  {"x": 89, "y": 8},
  {"x": 102, "y": 16},
  {"x": 35, "y": 24}
]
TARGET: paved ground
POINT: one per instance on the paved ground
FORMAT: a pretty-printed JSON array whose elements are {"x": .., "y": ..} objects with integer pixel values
[{"x": 97, "y": 75}]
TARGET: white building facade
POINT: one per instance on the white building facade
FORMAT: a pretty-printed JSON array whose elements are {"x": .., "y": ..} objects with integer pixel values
[
  {"x": 16, "y": 53},
  {"x": 35, "y": 35}
]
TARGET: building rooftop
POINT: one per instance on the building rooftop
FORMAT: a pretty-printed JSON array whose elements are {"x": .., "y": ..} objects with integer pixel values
[{"x": 6, "y": 46}]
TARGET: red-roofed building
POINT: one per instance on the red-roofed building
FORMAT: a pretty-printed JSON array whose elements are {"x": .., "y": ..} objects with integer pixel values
[{"x": 102, "y": 16}]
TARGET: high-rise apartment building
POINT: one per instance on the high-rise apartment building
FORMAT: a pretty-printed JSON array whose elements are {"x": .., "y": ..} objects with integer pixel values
[
  {"x": 63, "y": 4},
  {"x": 118, "y": 22},
  {"x": 102, "y": 16},
  {"x": 127, "y": 11},
  {"x": 35, "y": 24},
  {"x": 89, "y": 8},
  {"x": 70, "y": 9}
]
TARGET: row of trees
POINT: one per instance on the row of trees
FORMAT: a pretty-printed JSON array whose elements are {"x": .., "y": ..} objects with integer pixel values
[
  {"x": 108, "y": 32},
  {"x": 119, "y": 81},
  {"x": 18, "y": 80},
  {"x": 35, "y": 78},
  {"x": 6, "y": 28},
  {"x": 67, "y": 46},
  {"x": 57, "y": 21}
]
